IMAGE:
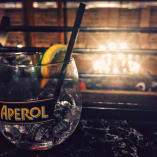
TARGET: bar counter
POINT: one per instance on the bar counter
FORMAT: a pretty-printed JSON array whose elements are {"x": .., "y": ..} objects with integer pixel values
[{"x": 108, "y": 136}]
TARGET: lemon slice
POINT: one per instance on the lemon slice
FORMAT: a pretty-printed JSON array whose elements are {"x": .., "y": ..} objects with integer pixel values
[{"x": 54, "y": 54}]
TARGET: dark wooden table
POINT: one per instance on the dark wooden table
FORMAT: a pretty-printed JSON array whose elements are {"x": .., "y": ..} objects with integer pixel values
[{"x": 91, "y": 136}]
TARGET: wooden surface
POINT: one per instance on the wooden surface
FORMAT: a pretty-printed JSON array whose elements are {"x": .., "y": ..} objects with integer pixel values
[
  {"x": 119, "y": 96},
  {"x": 9, "y": 150},
  {"x": 28, "y": 20}
]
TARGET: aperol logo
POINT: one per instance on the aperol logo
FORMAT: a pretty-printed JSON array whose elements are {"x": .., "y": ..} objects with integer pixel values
[{"x": 27, "y": 112}]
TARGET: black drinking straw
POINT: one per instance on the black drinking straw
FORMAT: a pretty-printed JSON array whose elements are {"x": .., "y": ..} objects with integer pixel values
[{"x": 75, "y": 30}]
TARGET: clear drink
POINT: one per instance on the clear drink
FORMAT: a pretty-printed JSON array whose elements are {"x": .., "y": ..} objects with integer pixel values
[{"x": 22, "y": 83}]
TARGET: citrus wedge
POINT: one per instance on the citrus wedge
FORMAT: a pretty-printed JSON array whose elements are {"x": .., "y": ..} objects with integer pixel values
[{"x": 54, "y": 54}]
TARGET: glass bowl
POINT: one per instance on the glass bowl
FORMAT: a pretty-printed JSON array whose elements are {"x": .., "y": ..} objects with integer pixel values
[{"x": 24, "y": 88}]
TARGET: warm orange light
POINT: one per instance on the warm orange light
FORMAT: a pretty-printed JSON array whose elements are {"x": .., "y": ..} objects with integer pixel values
[
  {"x": 115, "y": 70},
  {"x": 112, "y": 46},
  {"x": 19, "y": 45},
  {"x": 116, "y": 63},
  {"x": 123, "y": 45},
  {"x": 102, "y": 47}
]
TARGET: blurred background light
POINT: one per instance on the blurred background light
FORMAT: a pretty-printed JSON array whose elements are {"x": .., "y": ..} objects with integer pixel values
[
  {"x": 121, "y": 63},
  {"x": 123, "y": 45},
  {"x": 112, "y": 46},
  {"x": 102, "y": 47},
  {"x": 19, "y": 45}
]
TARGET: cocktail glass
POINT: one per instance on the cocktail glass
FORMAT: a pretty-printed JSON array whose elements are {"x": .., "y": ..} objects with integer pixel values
[{"x": 23, "y": 84}]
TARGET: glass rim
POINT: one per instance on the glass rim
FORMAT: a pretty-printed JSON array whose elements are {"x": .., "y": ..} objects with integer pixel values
[{"x": 36, "y": 64}]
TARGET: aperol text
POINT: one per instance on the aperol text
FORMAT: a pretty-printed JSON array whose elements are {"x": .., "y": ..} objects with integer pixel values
[{"x": 22, "y": 114}]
